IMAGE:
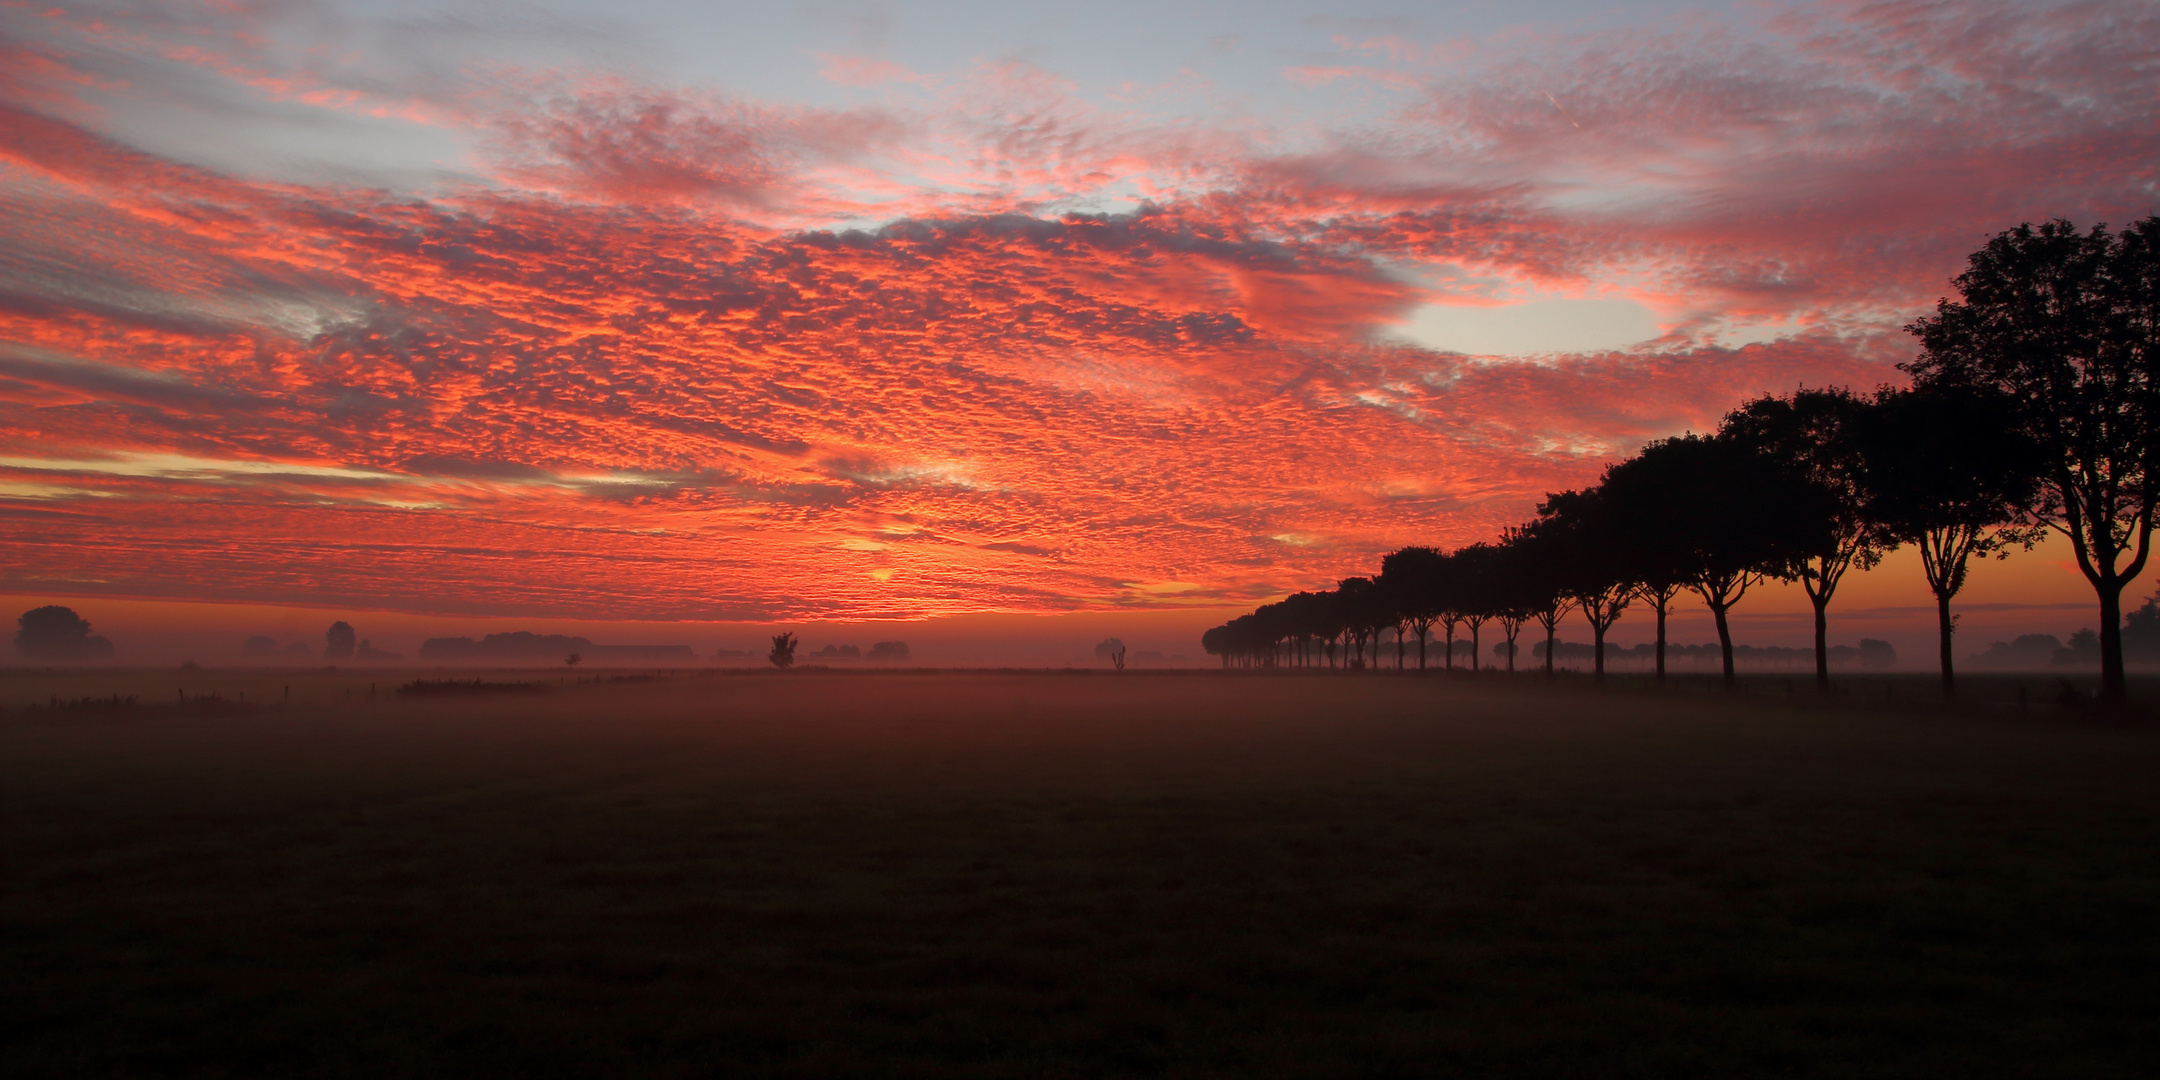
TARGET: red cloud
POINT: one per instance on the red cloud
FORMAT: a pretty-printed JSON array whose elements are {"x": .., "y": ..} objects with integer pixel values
[
  {"x": 619, "y": 380},
  {"x": 618, "y": 141}
]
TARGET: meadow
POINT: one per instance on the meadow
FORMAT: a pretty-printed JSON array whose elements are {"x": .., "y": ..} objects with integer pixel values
[{"x": 1049, "y": 875}]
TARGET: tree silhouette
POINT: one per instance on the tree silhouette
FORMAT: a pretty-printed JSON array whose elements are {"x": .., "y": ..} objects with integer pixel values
[
  {"x": 1536, "y": 564},
  {"x": 1352, "y": 620},
  {"x": 1547, "y": 614},
  {"x": 1948, "y": 470},
  {"x": 783, "y": 651},
  {"x": 1526, "y": 587},
  {"x": 1817, "y": 431},
  {"x": 1511, "y": 618},
  {"x": 57, "y": 633},
  {"x": 1411, "y": 577},
  {"x": 1648, "y": 504},
  {"x": 1646, "y": 543},
  {"x": 1732, "y": 515},
  {"x": 1450, "y": 618},
  {"x": 1477, "y": 590},
  {"x": 2066, "y": 325},
  {"x": 339, "y": 641},
  {"x": 1113, "y": 650},
  {"x": 1590, "y": 571},
  {"x": 1659, "y": 589},
  {"x": 1294, "y": 621}
]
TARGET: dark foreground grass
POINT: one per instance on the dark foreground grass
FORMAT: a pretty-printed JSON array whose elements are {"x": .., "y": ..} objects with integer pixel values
[{"x": 951, "y": 876}]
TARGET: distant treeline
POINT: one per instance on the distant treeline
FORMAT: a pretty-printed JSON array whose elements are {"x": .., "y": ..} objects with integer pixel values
[
  {"x": 56, "y": 634},
  {"x": 1871, "y": 653},
  {"x": 2034, "y": 404},
  {"x": 881, "y": 652},
  {"x": 526, "y": 645},
  {"x": 517, "y": 645}
]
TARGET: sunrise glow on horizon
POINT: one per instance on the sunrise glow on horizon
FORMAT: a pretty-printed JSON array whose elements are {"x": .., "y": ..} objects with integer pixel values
[{"x": 857, "y": 312}]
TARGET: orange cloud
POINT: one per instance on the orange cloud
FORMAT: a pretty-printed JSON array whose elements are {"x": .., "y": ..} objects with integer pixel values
[{"x": 643, "y": 364}]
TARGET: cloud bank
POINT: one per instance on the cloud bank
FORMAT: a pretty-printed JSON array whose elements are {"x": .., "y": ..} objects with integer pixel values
[{"x": 988, "y": 344}]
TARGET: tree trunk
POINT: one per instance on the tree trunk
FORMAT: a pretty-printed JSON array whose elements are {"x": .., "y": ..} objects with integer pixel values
[
  {"x": 1948, "y": 626},
  {"x": 2098, "y": 554},
  {"x": 1724, "y": 637},
  {"x": 1822, "y": 641},
  {"x": 1661, "y": 644},
  {"x": 1474, "y": 628},
  {"x": 2112, "y": 689},
  {"x": 1597, "y": 649},
  {"x": 1549, "y": 648}
]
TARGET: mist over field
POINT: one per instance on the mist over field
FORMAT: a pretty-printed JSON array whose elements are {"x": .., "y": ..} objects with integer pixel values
[{"x": 1085, "y": 875}]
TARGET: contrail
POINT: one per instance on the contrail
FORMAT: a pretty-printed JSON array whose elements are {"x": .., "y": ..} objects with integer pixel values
[{"x": 1563, "y": 112}]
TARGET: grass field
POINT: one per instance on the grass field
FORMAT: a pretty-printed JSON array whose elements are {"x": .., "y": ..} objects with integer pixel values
[{"x": 953, "y": 875}]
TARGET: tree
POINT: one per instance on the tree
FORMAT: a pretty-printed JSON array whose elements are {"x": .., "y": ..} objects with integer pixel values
[
  {"x": 1525, "y": 584},
  {"x": 1537, "y": 557},
  {"x": 57, "y": 633},
  {"x": 783, "y": 651},
  {"x": 1948, "y": 470},
  {"x": 1361, "y": 616},
  {"x": 1817, "y": 431},
  {"x": 1660, "y": 593},
  {"x": 1590, "y": 571},
  {"x": 1511, "y": 620},
  {"x": 1113, "y": 650},
  {"x": 1411, "y": 577},
  {"x": 1644, "y": 508},
  {"x": 1476, "y": 576},
  {"x": 1447, "y": 599},
  {"x": 1726, "y": 515},
  {"x": 339, "y": 641},
  {"x": 2067, "y": 326},
  {"x": 1548, "y": 615},
  {"x": 1303, "y": 617}
]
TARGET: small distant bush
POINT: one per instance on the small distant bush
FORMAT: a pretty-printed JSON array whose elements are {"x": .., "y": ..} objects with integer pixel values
[
  {"x": 115, "y": 703},
  {"x": 465, "y": 688},
  {"x": 212, "y": 704}
]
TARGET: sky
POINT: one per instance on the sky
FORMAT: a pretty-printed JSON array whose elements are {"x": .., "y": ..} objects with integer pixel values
[{"x": 714, "y": 316}]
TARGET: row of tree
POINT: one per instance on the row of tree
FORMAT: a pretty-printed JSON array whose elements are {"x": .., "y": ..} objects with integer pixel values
[{"x": 2034, "y": 405}]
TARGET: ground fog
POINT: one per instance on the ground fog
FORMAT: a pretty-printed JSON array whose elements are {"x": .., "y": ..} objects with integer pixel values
[{"x": 1066, "y": 875}]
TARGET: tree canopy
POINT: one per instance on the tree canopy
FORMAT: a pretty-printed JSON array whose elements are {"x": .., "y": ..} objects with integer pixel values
[
  {"x": 55, "y": 633},
  {"x": 2065, "y": 325}
]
